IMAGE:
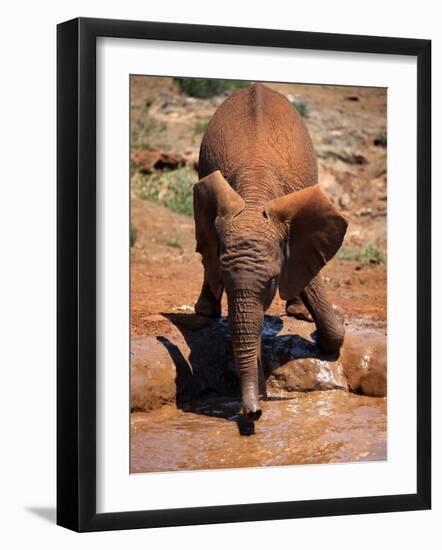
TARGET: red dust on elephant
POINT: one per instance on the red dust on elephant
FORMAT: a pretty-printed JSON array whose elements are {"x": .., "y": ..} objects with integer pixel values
[{"x": 262, "y": 223}]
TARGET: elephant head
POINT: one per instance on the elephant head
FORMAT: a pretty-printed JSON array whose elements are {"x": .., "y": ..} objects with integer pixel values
[{"x": 251, "y": 249}]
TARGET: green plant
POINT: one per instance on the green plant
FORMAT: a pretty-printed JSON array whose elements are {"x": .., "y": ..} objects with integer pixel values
[
  {"x": 175, "y": 242},
  {"x": 173, "y": 189},
  {"x": 145, "y": 131},
  {"x": 208, "y": 87},
  {"x": 381, "y": 140},
  {"x": 302, "y": 107},
  {"x": 164, "y": 146},
  {"x": 180, "y": 196},
  {"x": 133, "y": 235},
  {"x": 373, "y": 254},
  {"x": 200, "y": 126},
  {"x": 370, "y": 254},
  {"x": 146, "y": 187}
]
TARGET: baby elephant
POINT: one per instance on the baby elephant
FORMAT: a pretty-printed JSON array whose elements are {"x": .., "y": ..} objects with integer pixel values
[{"x": 262, "y": 222}]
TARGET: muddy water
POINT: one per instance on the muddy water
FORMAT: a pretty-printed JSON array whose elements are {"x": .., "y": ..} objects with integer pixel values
[{"x": 309, "y": 428}]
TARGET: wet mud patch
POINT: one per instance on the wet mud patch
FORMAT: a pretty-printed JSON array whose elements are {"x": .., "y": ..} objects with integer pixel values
[{"x": 309, "y": 428}]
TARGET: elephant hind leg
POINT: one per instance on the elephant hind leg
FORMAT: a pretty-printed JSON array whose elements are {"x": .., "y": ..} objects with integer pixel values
[
  {"x": 207, "y": 304},
  {"x": 296, "y": 308},
  {"x": 328, "y": 318}
]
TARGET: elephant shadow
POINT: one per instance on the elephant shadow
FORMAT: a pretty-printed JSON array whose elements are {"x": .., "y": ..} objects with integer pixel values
[{"x": 207, "y": 381}]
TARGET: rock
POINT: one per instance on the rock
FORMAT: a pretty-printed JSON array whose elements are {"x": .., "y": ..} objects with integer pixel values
[
  {"x": 343, "y": 155},
  {"x": 153, "y": 372},
  {"x": 344, "y": 200},
  {"x": 364, "y": 361},
  {"x": 374, "y": 382},
  {"x": 364, "y": 212},
  {"x": 191, "y": 357},
  {"x": 157, "y": 159},
  {"x": 306, "y": 374},
  {"x": 292, "y": 361}
]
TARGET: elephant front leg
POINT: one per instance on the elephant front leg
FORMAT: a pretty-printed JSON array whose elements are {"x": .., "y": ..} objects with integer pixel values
[
  {"x": 328, "y": 320},
  {"x": 207, "y": 304}
]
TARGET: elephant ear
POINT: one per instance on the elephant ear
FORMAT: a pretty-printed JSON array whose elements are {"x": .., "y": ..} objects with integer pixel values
[
  {"x": 214, "y": 202},
  {"x": 315, "y": 232}
]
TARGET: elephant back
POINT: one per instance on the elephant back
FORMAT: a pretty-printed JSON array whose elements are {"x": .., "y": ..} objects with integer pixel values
[{"x": 256, "y": 134}]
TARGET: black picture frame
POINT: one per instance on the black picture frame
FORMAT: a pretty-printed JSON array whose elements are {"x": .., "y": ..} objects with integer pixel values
[{"x": 76, "y": 273}]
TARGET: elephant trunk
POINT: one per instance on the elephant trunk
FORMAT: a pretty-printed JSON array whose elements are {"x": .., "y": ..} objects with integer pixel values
[{"x": 246, "y": 317}]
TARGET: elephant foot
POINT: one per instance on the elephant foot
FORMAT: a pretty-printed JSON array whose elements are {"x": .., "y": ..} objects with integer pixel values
[
  {"x": 331, "y": 340},
  {"x": 329, "y": 318},
  {"x": 328, "y": 344},
  {"x": 295, "y": 308},
  {"x": 207, "y": 304}
]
